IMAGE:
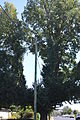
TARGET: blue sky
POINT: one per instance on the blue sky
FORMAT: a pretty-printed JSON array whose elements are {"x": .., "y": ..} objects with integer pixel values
[{"x": 28, "y": 58}]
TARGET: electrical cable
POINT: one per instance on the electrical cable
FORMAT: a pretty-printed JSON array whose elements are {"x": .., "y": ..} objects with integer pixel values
[{"x": 7, "y": 14}]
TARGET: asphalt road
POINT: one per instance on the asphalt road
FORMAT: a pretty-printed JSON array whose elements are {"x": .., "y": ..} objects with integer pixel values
[{"x": 63, "y": 118}]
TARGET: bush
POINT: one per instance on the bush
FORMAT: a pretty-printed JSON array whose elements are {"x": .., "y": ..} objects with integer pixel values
[
  {"x": 20, "y": 113},
  {"x": 67, "y": 110},
  {"x": 38, "y": 116},
  {"x": 28, "y": 115}
]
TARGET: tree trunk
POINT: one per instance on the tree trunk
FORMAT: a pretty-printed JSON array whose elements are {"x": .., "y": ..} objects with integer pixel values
[
  {"x": 49, "y": 116},
  {"x": 43, "y": 116}
]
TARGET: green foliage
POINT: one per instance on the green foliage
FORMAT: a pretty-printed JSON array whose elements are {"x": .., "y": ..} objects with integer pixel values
[
  {"x": 28, "y": 116},
  {"x": 67, "y": 110},
  {"x": 19, "y": 112},
  {"x": 56, "y": 27},
  {"x": 10, "y": 9},
  {"x": 75, "y": 112},
  {"x": 12, "y": 81}
]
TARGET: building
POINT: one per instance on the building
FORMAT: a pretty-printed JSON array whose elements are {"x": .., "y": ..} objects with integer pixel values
[{"x": 5, "y": 113}]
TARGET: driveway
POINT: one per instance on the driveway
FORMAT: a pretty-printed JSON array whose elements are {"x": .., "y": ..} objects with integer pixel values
[{"x": 63, "y": 118}]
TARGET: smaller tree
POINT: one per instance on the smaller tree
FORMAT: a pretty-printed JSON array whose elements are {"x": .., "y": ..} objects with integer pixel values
[
  {"x": 67, "y": 110},
  {"x": 75, "y": 113},
  {"x": 19, "y": 112}
]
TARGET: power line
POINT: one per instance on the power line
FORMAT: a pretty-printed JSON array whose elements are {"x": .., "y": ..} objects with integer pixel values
[{"x": 7, "y": 14}]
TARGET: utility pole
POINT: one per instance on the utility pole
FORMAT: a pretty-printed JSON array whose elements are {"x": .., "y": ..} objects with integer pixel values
[{"x": 35, "y": 82}]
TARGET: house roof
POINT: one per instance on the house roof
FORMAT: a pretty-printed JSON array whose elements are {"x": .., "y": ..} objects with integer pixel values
[{"x": 5, "y": 110}]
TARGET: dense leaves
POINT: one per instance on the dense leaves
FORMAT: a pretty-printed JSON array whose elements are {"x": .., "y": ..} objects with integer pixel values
[
  {"x": 12, "y": 81},
  {"x": 56, "y": 27}
]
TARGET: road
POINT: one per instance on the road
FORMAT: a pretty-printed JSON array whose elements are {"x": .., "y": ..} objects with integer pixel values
[{"x": 63, "y": 118}]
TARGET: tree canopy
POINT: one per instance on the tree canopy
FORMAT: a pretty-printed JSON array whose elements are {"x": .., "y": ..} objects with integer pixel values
[
  {"x": 12, "y": 80},
  {"x": 56, "y": 27}
]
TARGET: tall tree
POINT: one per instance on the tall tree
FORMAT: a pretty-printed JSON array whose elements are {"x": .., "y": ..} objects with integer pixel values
[
  {"x": 12, "y": 80},
  {"x": 56, "y": 26}
]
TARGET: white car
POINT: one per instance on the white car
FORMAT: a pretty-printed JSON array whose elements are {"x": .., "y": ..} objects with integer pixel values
[{"x": 78, "y": 117}]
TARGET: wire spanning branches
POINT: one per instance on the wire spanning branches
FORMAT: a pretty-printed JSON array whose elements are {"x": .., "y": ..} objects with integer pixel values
[{"x": 7, "y": 14}]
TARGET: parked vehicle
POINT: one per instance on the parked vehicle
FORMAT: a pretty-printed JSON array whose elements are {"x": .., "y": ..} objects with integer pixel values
[{"x": 78, "y": 117}]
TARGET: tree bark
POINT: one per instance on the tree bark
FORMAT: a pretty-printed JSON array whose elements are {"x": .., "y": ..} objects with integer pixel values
[
  {"x": 43, "y": 116},
  {"x": 49, "y": 116}
]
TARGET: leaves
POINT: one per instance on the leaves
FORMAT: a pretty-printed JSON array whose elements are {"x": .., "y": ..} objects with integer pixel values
[
  {"x": 12, "y": 81},
  {"x": 57, "y": 23}
]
